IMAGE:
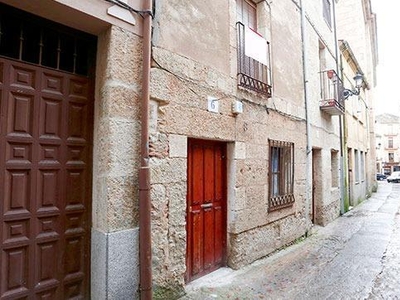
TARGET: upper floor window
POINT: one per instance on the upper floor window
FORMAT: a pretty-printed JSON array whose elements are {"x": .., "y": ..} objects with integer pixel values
[
  {"x": 390, "y": 143},
  {"x": 246, "y": 12},
  {"x": 281, "y": 174},
  {"x": 253, "y": 70},
  {"x": 326, "y": 4}
]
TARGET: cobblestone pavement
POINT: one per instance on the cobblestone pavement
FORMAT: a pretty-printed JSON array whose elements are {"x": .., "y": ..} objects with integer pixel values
[{"x": 355, "y": 257}]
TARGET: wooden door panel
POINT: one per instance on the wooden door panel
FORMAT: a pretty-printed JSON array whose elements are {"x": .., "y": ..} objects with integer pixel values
[
  {"x": 208, "y": 170},
  {"x": 50, "y": 124},
  {"x": 46, "y": 263},
  {"x": 219, "y": 234},
  {"x": 206, "y": 218},
  {"x": 45, "y": 182},
  {"x": 197, "y": 180},
  {"x": 20, "y": 121},
  {"x": 17, "y": 192},
  {"x": 209, "y": 238},
  {"x": 15, "y": 259},
  {"x": 219, "y": 173},
  {"x": 196, "y": 241},
  {"x": 48, "y": 186}
]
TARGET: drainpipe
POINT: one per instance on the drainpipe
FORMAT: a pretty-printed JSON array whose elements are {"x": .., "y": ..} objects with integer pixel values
[
  {"x": 144, "y": 171},
  {"x": 341, "y": 119},
  {"x": 306, "y": 105}
]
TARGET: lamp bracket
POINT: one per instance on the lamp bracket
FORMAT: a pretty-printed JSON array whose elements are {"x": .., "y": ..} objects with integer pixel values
[{"x": 347, "y": 93}]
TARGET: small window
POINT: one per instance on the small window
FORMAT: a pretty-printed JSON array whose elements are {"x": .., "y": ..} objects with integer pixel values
[
  {"x": 390, "y": 143},
  {"x": 391, "y": 157},
  {"x": 327, "y": 11},
  {"x": 281, "y": 175}
]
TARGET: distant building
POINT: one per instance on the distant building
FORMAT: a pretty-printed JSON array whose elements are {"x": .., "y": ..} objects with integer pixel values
[{"x": 387, "y": 131}]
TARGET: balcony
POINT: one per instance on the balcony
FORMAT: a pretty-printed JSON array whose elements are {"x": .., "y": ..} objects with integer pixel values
[
  {"x": 254, "y": 71},
  {"x": 331, "y": 90}
]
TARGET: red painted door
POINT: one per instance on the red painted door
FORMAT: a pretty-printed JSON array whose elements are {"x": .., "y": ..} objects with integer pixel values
[
  {"x": 45, "y": 182},
  {"x": 206, "y": 205}
]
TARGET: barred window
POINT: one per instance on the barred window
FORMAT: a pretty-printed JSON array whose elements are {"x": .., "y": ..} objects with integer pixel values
[
  {"x": 253, "y": 51},
  {"x": 327, "y": 11},
  {"x": 281, "y": 174}
]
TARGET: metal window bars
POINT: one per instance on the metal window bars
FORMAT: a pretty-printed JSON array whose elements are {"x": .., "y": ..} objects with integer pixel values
[
  {"x": 32, "y": 39},
  {"x": 252, "y": 74},
  {"x": 281, "y": 170},
  {"x": 331, "y": 93}
]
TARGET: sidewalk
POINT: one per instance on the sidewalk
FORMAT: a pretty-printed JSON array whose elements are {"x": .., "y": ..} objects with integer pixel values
[{"x": 354, "y": 257}]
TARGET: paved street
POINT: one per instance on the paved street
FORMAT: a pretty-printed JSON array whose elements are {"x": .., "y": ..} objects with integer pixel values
[{"x": 355, "y": 257}]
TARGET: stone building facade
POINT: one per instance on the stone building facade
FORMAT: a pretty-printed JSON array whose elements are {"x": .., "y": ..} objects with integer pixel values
[
  {"x": 241, "y": 145},
  {"x": 186, "y": 74},
  {"x": 358, "y": 54}
]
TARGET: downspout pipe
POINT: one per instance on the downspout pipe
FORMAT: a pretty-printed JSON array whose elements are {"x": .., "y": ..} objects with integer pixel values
[
  {"x": 306, "y": 106},
  {"x": 144, "y": 171},
  {"x": 341, "y": 119}
]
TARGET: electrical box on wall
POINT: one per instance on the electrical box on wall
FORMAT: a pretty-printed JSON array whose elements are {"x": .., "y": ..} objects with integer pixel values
[{"x": 237, "y": 107}]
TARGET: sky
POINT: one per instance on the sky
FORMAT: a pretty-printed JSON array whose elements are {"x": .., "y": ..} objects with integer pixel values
[{"x": 387, "y": 99}]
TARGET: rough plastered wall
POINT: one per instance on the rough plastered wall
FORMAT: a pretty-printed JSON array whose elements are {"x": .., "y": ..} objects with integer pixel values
[
  {"x": 115, "y": 167},
  {"x": 187, "y": 70}
]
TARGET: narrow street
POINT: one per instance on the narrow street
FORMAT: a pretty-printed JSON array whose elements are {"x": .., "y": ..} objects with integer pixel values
[{"x": 354, "y": 257}]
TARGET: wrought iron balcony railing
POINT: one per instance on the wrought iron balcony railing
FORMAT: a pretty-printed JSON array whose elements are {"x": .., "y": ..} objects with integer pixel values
[
  {"x": 253, "y": 74},
  {"x": 332, "y": 101}
]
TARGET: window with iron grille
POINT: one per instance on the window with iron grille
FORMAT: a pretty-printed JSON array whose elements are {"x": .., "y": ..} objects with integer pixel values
[
  {"x": 35, "y": 40},
  {"x": 326, "y": 4},
  {"x": 254, "y": 71},
  {"x": 281, "y": 174}
]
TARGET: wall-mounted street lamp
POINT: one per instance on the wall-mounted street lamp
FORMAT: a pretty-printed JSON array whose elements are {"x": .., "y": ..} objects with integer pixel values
[{"x": 358, "y": 79}]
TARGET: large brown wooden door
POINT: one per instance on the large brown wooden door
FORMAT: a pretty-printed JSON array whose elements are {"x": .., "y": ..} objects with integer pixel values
[
  {"x": 45, "y": 182},
  {"x": 206, "y": 205}
]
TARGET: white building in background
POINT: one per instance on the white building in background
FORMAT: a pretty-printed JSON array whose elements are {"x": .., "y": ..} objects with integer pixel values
[{"x": 387, "y": 135}]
